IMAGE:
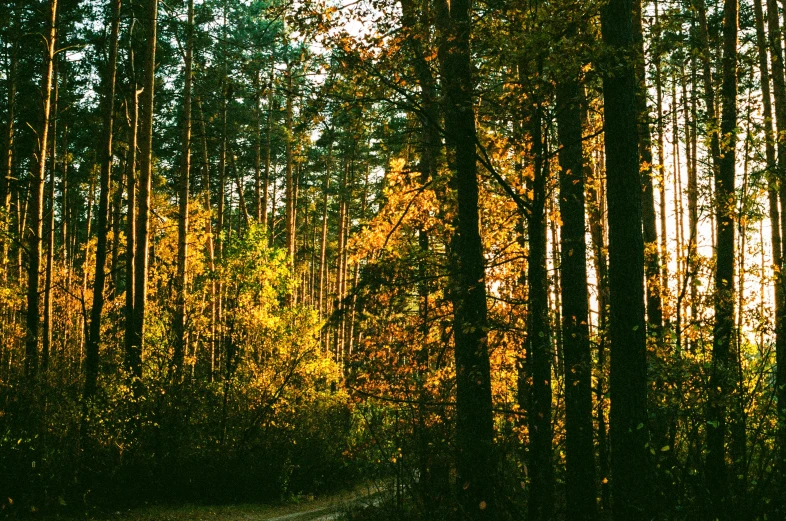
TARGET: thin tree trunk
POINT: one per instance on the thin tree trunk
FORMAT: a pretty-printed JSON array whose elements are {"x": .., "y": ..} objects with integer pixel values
[
  {"x": 539, "y": 338},
  {"x": 779, "y": 94},
  {"x": 145, "y": 186},
  {"x": 268, "y": 133},
  {"x": 49, "y": 214},
  {"x": 35, "y": 230},
  {"x": 181, "y": 343},
  {"x": 8, "y": 160},
  {"x": 661, "y": 171},
  {"x": 210, "y": 247},
  {"x": 323, "y": 241},
  {"x": 131, "y": 360},
  {"x": 258, "y": 146},
  {"x": 595, "y": 213},
  {"x": 290, "y": 186},
  {"x": 105, "y": 156},
  {"x": 650, "y": 230}
]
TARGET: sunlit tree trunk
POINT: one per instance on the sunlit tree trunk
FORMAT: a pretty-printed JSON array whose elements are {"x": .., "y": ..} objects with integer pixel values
[
  {"x": 661, "y": 166},
  {"x": 779, "y": 94},
  {"x": 145, "y": 181},
  {"x": 181, "y": 343},
  {"x": 268, "y": 134},
  {"x": 210, "y": 240},
  {"x": 290, "y": 182},
  {"x": 323, "y": 241},
  {"x": 8, "y": 159},
  {"x": 131, "y": 189},
  {"x": 46, "y": 347},
  {"x": 35, "y": 230}
]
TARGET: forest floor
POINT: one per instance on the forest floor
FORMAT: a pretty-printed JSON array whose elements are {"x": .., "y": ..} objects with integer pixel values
[{"x": 326, "y": 508}]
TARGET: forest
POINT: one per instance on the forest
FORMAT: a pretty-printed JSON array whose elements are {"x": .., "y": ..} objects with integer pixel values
[{"x": 500, "y": 259}]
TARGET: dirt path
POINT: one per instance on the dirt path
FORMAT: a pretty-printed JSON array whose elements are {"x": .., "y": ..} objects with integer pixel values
[{"x": 327, "y": 508}]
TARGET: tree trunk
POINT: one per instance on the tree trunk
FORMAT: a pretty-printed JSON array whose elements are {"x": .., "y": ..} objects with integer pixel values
[
  {"x": 775, "y": 231},
  {"x": 475, "y": 462},
  {"x": 290, "y": 186},
  {"x": 181, "y": 344},
  {"x": 580, "y": 456},
  {"x": 131, "y": 359},
  {"x": 779, "y": 93},
  {"x": 49, "y": 214},
  {"x": 145, "y": 186},
  {"x": 35, "y": 230},
  {"x": 8, "y": 160},
  {"x": 105, "y": 156},
  {"x": 720, "y": 382},
  {"x": 323, "y": 241},
  {"x": 628, "y": 378},
  {"x": 539, "y": 339},
  {"x": 650, "y": 229},
  {"x": 595, "y": 213},
  {"x": 268, "y": 133}
]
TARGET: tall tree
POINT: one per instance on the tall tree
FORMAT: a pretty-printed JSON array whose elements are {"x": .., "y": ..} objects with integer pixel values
[
  {"x": 650, "y": 229},
  {"x": 150, "y": 17},
  {"x": 182, "y": 225},
  {"x": 580, "y": 457},
  {"x": 474, "y": 423},
  {"x": 720, "y": 380},
  {"x": 106, "y": 157},
  {"x": 10, "y": 130},
  {"x": 35, "y": 229},
  {"x": 539, "y": 350},
  {"x": 628, "y": 378}
]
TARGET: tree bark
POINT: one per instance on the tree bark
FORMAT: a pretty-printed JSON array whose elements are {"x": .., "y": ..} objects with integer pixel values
[
  {"x": 8, "y": 160},
  {"x": 580, "y": 456},
  {"x": 181, "y": 343},
  {"x": 539, "y": 338},
  {"x": 290, "y": 182},
  {"x": 650, "y": 229},
  {"x": 145, "y": 186},
  {"x": 35, "y": 230},
  {"x": 131, "y": 360},
  {"x": 49, "y": 214},
  {"x": 105, "y": 156},
  {"x": 725, "y": 206},
  {"x": 779, "y": 94},
  {"x": 475, "y": 462},
  {"x": 628, "y": 378}
]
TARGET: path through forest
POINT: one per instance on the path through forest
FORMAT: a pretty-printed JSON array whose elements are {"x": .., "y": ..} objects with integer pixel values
[{"x": 327, "y": 508}]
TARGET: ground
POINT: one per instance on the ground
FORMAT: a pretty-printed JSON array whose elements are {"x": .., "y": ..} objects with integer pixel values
[{"x": 326, "y": 508}]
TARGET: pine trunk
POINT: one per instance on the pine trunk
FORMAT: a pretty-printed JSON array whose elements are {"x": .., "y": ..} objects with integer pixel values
[{"x": 628, "y": 377}]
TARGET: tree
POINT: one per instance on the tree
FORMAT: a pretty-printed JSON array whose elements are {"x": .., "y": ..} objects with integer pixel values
[
  {"x": 474, "y": 427},
  {"x": 182, "y": 237},
  {"x": 107, "y": 158},
  {"x": 720, "y": 378},
  {"x": 628, "y": 379},
  {"x": 35, "y": 231},
  {"x": 580, "y": 457},
  {"x": 144, "y": 196}
]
